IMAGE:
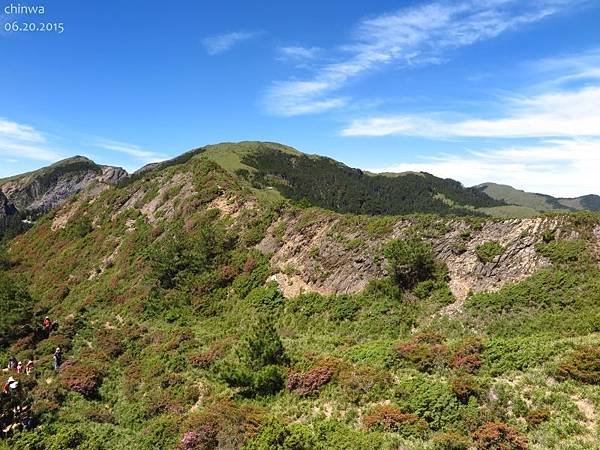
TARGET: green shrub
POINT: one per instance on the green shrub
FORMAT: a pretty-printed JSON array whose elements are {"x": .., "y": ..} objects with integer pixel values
[
  {"x": 409, "y": 261},
  {"x": 487, "y": 251},
  {"x": 267, "y": 299},
  {"x": 564, "y": 252},
  {"x": 548, "y": 236},
  {"x": 450, "y": 441},
  {"x": 429, "y": 399},
  {"x": 277, "y": 436},
  {"x": 16, "y": 309},
  {"x": 344, "y": 308},
  {"x": 259, "y": 351},
  {"x": 261, "y": 345},
  {"x": 79, "y": 228},
  {"x": 268, "y": 381}
]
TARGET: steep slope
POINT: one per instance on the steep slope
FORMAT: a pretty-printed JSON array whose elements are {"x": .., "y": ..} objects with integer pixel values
[
  {"x": 539, "y": 202},
  {"x": 193, "y": 314},
  {"x": 34, "y": 193}
]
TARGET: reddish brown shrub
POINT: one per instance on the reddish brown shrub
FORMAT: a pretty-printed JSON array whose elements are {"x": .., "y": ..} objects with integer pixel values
[
  {"x": 499, "y": 436},
  {"x": 207, "y": 358},
  {"x": 310, "y": 382},
  {"x": 466, "y": 363},
  {"x": 390, "y": 418},
  {"x": 428, "y": 337},
  {"x": 426, "y": 357},
  {"x": 467, "y": 356},
  {"x": 249, "y": 265},
  {"x": 465, "y": 387},
  {"x": 162, "y": 401},
  {"x": 582, "y": 365},
  {"x": 222, "y": 423},
  {"x": 537, "y": 416},
  {"x": 80, "y": 377},
  {"x": 110, "y": 342},
  {"x": 226, "y": 274},
  {"x": 47, "y": 398},
  {"x": 357, "y": 382},
  {"x": 203, "y": 439}
]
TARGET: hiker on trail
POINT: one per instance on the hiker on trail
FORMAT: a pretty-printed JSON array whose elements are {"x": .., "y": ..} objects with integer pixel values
[
  {"x": 47, "y": 326},
  {"x": 29, "y": 367},
  {"x": 57, "y": 359},
  {"x": 12, "y": 363},
  {"x": 10, "y": 385},
  {"x": 19, "y": 367}
]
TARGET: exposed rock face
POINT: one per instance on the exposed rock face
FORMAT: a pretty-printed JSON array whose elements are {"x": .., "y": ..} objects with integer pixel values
[
  {"x": 51, "y": 186},
  {"x": 6, "y": 207},
  {"x": 322, "y": 257}
]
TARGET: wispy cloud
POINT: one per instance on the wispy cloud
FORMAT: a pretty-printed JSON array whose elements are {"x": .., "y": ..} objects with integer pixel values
[
  {"x": 407, "y": 37},
  {"x": 298, "y": 53},
  {"x": 562, "y": 70},
  {"x": 220, "y": 43},
  {"x": 561, "y": 167},
  {"x": 25, "y": 141},
  {"x": 559, "y": 113},
  {"x": 143, "y": 155}
]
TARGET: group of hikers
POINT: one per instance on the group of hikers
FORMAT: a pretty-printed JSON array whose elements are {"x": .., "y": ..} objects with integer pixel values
[
  {"x": 15, "y": 412},
  {"x": 17, "y": 366}
]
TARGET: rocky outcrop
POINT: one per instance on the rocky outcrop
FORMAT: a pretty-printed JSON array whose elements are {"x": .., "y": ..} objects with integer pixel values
[
  {"x": 329, "y": 257},
  {"x": 6, "y": 207},
  {"x": 47, "y": 188}
]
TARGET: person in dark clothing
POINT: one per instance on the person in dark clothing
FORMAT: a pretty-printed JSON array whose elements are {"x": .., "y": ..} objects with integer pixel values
[
  {"x": 57, "y": 359},
  {"x": 12, "y": 363}
]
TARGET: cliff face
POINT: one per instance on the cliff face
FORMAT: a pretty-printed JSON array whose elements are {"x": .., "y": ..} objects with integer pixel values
[
  {"x": 329, "y": 256},
  {"x": 49, "y": 187},
  {"x": 6, "y": 207}
]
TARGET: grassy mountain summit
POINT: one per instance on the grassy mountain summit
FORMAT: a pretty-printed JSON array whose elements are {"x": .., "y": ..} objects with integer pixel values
[
  {"x": 324, "y": 182},
  {"x": 195, "y": 313}
]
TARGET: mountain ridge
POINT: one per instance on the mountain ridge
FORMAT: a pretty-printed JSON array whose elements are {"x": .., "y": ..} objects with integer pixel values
[
  {"x": 196, "y": 314},
  {"x": 275, "y": 171},
  {"x": 540, "y": 202}
]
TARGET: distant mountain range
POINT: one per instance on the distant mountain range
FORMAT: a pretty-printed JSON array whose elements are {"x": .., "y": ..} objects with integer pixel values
[
  {"x": 275, "y": 171},
  {"x": 539, "y": 202}
]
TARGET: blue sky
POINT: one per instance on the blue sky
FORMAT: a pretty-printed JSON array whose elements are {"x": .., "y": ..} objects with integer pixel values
[{"x": 476, "y": 90}]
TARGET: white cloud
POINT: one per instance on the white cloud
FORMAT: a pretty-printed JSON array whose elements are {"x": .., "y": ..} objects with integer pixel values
[
  {"x": 24, "y": 141},
  {"x": 144, "y": 155},
  {"x": 298, "y": 53},
  {"x": 410, "y": 36},
  {"x": 220, "y": 43},
  {"x": 14, "y": 130},
  {"x": 557, "y": 113},
  {"x": 560, "y": 167}
]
